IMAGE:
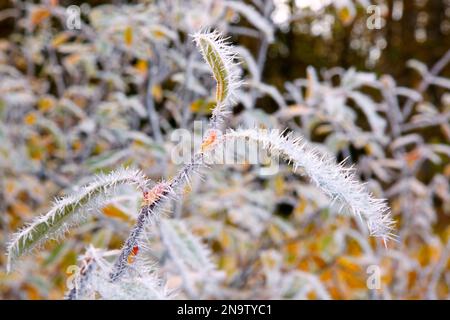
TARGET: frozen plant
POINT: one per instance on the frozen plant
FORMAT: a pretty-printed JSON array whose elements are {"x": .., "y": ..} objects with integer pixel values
[{"x": 129, "y": 276}]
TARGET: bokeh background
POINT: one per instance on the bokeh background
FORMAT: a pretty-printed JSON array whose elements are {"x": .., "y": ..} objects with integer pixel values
[{"x": 75, "y": 102}]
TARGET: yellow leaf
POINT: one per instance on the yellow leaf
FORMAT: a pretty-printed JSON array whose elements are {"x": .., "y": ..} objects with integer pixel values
[
  {"x": 10, "y": 187},
  {"x": 279, "y": 185},
  {"x": 77, "y": 145},
  {"x": 229, "y": 15},
  {"x": 348, "y": 265},
  {"x": 353, "y": 281},
  {"x": 309, "y": 85},
  {"x": 354, "y": 249},
  {"x": 275, "y": 233},
  {"x": 368, "y": 148},
  {"x": 269, "y": 261},
  {"x": 157, "y": 93},
  {"x": 447, "y": 170},
  {"x": 114, "y": 212},
  {"x": 428, "y": 254},
  {"x": 303, "y": 265},
  {"x": 128, "y": 36},
  {"x": 301, "y": 207},
  {"x": 225, "y": 239},
  {"x": 294, "y": 111},
  {"x": 323, "y": 129},
  {"x": 59, "y": 39},
  {"x": 293, "y": 251},
  {"x": 311, "y": 295},
  {"x": 141, "y": 66},
  {"x": 345, "y": 15},
  {"x": 228, "y": 263},
  {"x": 20, "y": 209},
  {"x": 196, "y": 105},
  {"x": 30, "y": 118},
  {"x": 34, "y": 147},
  {"x": 412, "y": 277},
  {"x": 187, "y": 189},
  {"x": 327, "y": 275},
  {"x": 45, "y": 104},
  {"x": 158, "y": 34},
  {"x": 202, "y": 106}
]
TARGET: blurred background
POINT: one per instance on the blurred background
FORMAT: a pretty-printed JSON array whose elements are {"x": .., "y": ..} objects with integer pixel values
[{"x": 90, "y": 86}]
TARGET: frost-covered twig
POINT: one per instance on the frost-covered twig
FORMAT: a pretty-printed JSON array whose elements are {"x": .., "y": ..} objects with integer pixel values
[{"x": 153, "y": 199}]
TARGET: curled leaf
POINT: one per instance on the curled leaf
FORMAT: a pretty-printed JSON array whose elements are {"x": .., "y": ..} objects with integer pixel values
[{"x": 67, "y": 212}]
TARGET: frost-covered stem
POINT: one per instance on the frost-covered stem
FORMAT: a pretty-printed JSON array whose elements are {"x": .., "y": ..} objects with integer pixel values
[
  {"x": 131, "y": 242},
  {"x": 219, "y": 57},
  {"x": 159, "y": 195},
  {"x": 216, "y": 52}
]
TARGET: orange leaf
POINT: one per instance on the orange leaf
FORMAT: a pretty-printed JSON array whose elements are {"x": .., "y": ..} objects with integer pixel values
[
  {"x": 30, "y": 118},
  {"x": 38, "y": 15},
  {"x": 155, "y": 193},
  {"x": 348, "y": 265},
  {"x": 141, "y": 66},
  {"x": 209, "y": 140}
]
